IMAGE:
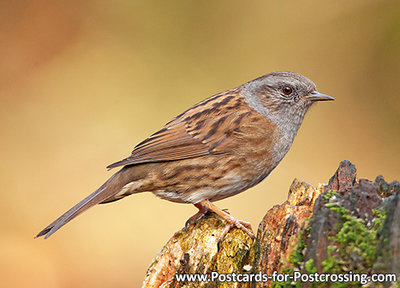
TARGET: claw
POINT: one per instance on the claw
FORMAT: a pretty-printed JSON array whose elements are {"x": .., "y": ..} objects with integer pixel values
[
  {"x": 226, "y": 211},
  {"x": 206, "y": 206},
  {"x": 242, "y": 225}
]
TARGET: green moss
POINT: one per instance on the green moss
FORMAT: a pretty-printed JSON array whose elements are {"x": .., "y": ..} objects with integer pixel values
[
  {"x": 353, "y": 248},
  {"x": 330, "y": 263},
  {"x": 297, "y": 257},
  {"x": 380, "y": 216},
  {"x": 310, "y": 267},
  {"x": 328, "y": 195},
  {"x": 356, "y": 238},
  {"x": 355, "y": 244}
]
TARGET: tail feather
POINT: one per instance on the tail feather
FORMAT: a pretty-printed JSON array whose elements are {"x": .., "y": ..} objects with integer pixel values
[{"x": 107, "y": 190}]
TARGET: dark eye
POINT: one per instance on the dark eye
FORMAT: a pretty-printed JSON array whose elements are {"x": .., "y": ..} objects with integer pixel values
[{"x": 287, "y": 90}]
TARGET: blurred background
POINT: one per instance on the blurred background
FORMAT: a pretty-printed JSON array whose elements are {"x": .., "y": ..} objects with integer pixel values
[{"x": 82, "y": 82}]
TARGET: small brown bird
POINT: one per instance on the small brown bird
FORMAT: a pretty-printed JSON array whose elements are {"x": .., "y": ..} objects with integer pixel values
[{"x": 218, "y": 148}]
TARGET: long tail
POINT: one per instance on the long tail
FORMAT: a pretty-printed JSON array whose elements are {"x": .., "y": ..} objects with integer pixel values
[{"x": 106, "y": 191}]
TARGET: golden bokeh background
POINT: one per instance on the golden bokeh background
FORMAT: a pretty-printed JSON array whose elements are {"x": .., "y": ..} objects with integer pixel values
[{"x": 82, "y": 82}]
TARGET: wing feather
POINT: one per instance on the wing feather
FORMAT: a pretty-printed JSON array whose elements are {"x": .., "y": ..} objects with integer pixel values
[
  {"x": 201, "y": 130},
  {"x": 172, "y": 143}
]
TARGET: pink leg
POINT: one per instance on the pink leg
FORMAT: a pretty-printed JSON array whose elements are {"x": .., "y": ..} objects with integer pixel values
[
  {"x": 202, "y": 211},
  {"x": 206, "y": 206}
]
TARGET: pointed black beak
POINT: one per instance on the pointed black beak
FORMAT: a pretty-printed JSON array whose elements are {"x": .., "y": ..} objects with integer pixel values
[{"x": 316, "y": 96}]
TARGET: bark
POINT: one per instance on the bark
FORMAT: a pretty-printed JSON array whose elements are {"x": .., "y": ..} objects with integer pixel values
[{"x": 348, "y": 226}]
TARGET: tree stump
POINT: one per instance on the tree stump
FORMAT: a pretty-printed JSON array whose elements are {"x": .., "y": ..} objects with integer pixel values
[{"x": 348, "y": 227}]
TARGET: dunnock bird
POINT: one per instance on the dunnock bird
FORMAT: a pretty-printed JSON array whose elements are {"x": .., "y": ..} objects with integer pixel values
[{"x": 218, "y": 148}]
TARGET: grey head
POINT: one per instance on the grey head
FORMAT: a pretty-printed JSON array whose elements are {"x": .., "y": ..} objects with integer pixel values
[{"x": 284, "y": 98}]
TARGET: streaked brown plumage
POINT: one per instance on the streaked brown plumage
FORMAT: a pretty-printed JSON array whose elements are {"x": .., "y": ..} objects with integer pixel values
[{"x": 216, "y": 149}]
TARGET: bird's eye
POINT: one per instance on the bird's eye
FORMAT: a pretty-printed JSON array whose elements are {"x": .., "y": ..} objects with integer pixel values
[{"x": 287, "y": 90}]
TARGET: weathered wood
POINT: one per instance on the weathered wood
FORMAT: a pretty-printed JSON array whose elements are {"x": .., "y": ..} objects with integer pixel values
[{"x": 347, "y": 225}]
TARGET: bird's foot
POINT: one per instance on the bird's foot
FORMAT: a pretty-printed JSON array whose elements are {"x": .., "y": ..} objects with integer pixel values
[
  {"x": 242, "y": 225},
  {"x": 231, "y": 222}
]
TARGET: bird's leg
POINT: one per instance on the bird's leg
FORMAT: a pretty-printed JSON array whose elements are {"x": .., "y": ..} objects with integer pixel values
[
  {"x": 202, "y": 211},
  {"x": 231, "y": 221}
]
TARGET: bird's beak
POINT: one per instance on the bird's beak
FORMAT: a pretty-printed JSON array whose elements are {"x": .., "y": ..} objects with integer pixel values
[{"x": 316, "y": 96}]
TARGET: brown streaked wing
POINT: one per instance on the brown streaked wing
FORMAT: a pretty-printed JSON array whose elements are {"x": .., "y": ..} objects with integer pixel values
[
  {"x": 201, "y": 130},
  {"x": 170, "y": 143}
]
